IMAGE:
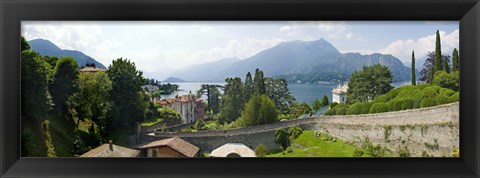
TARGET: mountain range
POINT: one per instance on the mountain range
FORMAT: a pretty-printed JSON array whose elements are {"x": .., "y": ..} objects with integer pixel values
[
  {"x": 47, "y": 48},
  {"x": 292, "y": 58}
]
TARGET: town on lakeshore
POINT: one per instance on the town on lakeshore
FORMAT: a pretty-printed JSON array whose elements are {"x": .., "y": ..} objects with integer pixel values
[{"x": 341, "y": 92}]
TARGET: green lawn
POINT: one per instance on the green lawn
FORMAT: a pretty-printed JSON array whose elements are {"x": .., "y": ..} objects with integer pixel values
[
  {"x": 150, "y": 122},
  {"x": 309, "y": 145}
]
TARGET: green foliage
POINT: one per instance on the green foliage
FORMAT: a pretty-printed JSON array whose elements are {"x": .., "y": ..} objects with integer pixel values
[
  {"x": 298, "y": 109},
  {"x": 422, "y": 86},
  {"x": 295, "y": 131},
  {"x": 316, "y": 104},
  {"x": 261, "y": 150},
  {"x": 455, "y": 61},
  {"x": 129, "y": 103},
  {"x": 442, "y": 99},
  {"x": 366, "y": 107},
  {"x": 91, "y": 100},
  {"x": 277, "y": 90},
  {"x": 407, "y": 104},
  {"x": 446, "y": 92},
  {"x": 355, "y": 108},
  {"x": 438, "y": 53},
  {"x": 341, "y": 110},
  {"x": 259, "y": 83},
  {"x": 379, "y": 107},
  {"x": 45, "y": 125},
  {"x": 26, "y": 139},
  {"x": 373, "y": 150},
  {"x": 324, "y": 101},
  {"x": 259, "y": 110},
  {"x": 413, "y": 79},
  {"x": 427, "y": 102},
  {"x": 282, "y": 138},
  {"x": 232, "y": 103},
  {"x": 24, "y": 44},
  {"x": 333, "y": 104},
  {"x": 64, "y": 82},
  {"x": 455, "y": 152},
  {"x": 330, "y": 112},
  {"x": 394, "y": 105},
  {"x": 369, "y": 83},
  {"x": 36, "y": 100},
  {"x": 199, "y": 125},
  {"x": 447, "y": 80},
  {"x": 455, "y": 97},
  {"x": 248, "y": 87},
  {"x": 404, "y": 152},
  {"x": 431, "y": 91},
  {"x": 213, "y": 95}
]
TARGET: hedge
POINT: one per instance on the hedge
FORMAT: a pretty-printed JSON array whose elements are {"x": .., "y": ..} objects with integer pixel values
[
  {"x": 447, "y": 92},
  {"x": 431, "y": 91},
  {"x": 442, "y": 99},
  {"x": 455, "y": 97},
  {"x": 427, "y": 102},
  {"x": 366, "y": 107},
  {"x": 407, "y": 104},
  {"x": 379, "y": 107},
  {"x": 381, "y": 99},
  {"x": 356, "y": 108},
  {"x": 341, "y": 110},
  {"x": 330, "y": 112}
]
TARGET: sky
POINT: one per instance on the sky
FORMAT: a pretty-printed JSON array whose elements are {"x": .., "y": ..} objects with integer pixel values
[{"x": 158, "y": 48}]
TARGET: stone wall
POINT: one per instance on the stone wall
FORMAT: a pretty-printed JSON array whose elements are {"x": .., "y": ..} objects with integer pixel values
[{"x": 430, "y": 131}]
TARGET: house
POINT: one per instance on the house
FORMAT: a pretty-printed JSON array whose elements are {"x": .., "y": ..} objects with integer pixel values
[
  {"x": 111, "y": 150},
  {"x": 90, "y": 67},
  {"x": 233, "y": 150},
  {"x": 171, "y": 147},
  {"x": 188, "y": 106},
  {"x": 340, "y": 93}
]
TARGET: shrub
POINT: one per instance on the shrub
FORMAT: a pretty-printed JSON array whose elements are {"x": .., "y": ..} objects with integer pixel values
[
  {"x": 366, "y": 107},
  {"x": 333, "y": 104},
  {"x": 447, "y": 80},
  {"x": 295, "y": 131},
  {"x": 330, "y": 112},
  {"x": 431, "y": 91},
  {"x": 341, "y": 110},
  {"x": 421, "y": 86},
  {"x": 407, "y": 104},
  {"x": 446, "y": 92},
  {"x": 355, "y": 108},
  {"x": 381, "y": 99},
  {"x": 455, "y": 97},
  {"x": 394, "y": 105},
  {"x": 442, "y": 99},
  {"x": 379, "y": 107},
  {"x": 417, "y": 98},
  {"x": 395, "y": 92},
  {"x": 199, "y": 125},
  {"x": 427, "y": 102},
  {"x": 281, "y": 138},
  {"x": 261, "y": 150}
]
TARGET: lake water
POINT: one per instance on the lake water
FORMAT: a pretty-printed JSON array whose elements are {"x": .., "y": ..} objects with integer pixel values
[{"x": 302, "y": 92}]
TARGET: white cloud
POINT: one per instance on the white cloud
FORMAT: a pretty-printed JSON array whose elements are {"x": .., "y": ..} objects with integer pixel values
[
  {"x": 402, "y": 49},
  {"x": 331, "y": 30}
]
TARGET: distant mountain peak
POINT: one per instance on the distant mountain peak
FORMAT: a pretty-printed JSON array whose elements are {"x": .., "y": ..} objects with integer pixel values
[{"x": 47, "y": 48}]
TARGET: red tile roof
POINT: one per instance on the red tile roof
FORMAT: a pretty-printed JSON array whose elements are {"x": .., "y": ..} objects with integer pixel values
[{"x": 175, "y": 143}]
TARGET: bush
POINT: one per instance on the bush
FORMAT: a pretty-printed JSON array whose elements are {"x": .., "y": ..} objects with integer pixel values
[
  {"x": 199, "y": 125},
  {"x": 407, "y": 104},
  {"x": 394, "y": 105},
  {"x": 446, "y": 92},
  {"x": 357, "y": 153},
  {"x": 442, "y": 99},
  {"x": 455, "y": 97},
  {"x": 379, "y": 107},
  {"x": 447, "y": 80},
  {"x": 381, "y": 99},
  {"x": 431, "y": 91},
  {"x": 366, "y": 107},
  {"x": 341, "y": 110},
  {"x": 261, "y": 150},
  {"x": 395, "y": 92},
  {"x": 355, "y": 108},
  {"x": 427, "y": 102},
  {"x": 282, "y": 138},
  {"x": 295, "y": 131},
  {"x": 330, "y": 112},
  {"x": 421, "y": 86},
  {"x": 333, "y": 104}
]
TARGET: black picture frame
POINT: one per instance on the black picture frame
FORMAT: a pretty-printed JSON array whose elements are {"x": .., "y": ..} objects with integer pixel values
[{"x": 12, "y": 12}]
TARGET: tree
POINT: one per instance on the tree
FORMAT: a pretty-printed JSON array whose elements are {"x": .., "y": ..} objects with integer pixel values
[
  {"x": 282, "y": 138},
  {"x": 277, "y": 90},
  {"x": 447, "y": 80},
  {"x": 128, "y": 104},
  {"x": 260, "y": 109},
  {"x": 259, "y": 83},
  {"x": 64, "y": 83},
  {"x": 455, "y": 61},
  {"x": 316, "y": 104},
  {"x": 24, "y": 44},
  {"x": 298, "y": 109},
  {"x": 92, "y": 100},
  {"x": 213, "y": 94},
  {"x": 35, "y": 74},
  {"x": 438, "y": 53},
  {"x": 232, "y": 100},
  {"x": 248, "y": 87},
  {"x": 324, "y": 101},
  {"x": 428, "y": 71},
  {"x": 414, "y": 81},
  {"x": 369, "y": 83},
  {"x": 52, "y": 60}
]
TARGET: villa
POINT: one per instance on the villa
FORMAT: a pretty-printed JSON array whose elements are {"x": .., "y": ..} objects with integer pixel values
[
  {"x": 188, "y": 106},
  {"x": 340, "y": 93}
]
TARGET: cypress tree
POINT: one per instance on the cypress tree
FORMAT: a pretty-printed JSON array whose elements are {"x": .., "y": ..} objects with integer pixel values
[
  {"x": 455, "y": 61},
  {"x": 438, "y": 54},
  {"x": 413, "y": 68}
]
